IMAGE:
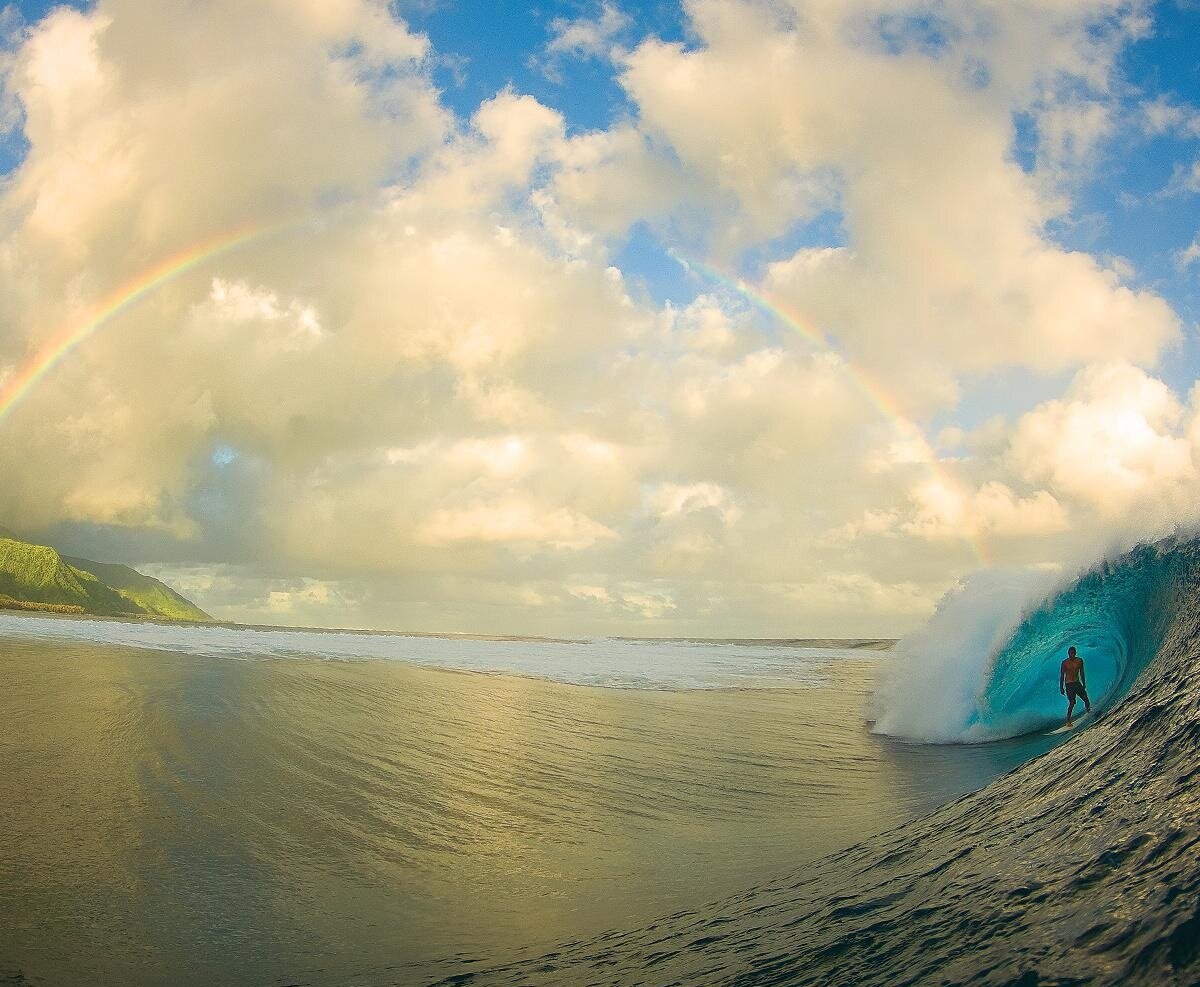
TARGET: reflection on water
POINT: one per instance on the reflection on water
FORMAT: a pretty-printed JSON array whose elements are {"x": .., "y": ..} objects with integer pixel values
[{"x": 170, "y": 818}]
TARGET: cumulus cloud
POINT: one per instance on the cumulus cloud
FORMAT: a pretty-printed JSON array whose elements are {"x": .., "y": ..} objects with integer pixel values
[
  {"x": 1111, "y": 441},
  {"x": 426, "y": 393},
  {"x": 945, "y": 510},
  {"x": 781, "y": 113}
]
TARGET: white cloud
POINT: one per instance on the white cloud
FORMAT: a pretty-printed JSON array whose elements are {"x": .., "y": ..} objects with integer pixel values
[
  {"x": 1069, "y": 133},
  {"x": 669, "y": 500},
  {"x": 850, "y": 591},
  {"x": 1185, "y": 180},
  {"x": 608, "y": 180},
  {"x": 872, "y": 522},
  {"x": 1111, "y": 442},
  {"x": 776, "y": 116},
  {"x": 649, "y": 606},
  {"x": 947, "y": 511},
  {"x": 585, "y": 37},
  {"x": 441, "y": 386},
  {"x": 597, "y": 593},
  {"x": 512, "y": 521},
  {"x": 236, "y": 307},
  {"x": 1163, "y": 115}
]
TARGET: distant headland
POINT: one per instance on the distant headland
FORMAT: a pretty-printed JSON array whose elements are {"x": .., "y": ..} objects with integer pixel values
[{"x": 37, "y": 578}]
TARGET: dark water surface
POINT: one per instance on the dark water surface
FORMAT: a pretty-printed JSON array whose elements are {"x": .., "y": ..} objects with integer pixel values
[{"x": 172, "y": 819}]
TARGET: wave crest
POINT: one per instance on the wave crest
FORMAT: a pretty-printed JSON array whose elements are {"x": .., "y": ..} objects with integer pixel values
[{"x": 985, "y": 667}]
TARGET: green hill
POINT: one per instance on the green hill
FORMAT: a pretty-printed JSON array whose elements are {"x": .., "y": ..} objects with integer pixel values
[
  {"x": 36, "y": 577},
  {"x": 151, "y": 595}
]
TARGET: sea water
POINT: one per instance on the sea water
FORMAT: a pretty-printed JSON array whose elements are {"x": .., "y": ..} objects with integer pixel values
[{"x": 219, "y": 805}]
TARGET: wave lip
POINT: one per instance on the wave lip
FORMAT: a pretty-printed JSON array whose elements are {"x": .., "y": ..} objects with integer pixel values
[{"x": 986, "y": 666}]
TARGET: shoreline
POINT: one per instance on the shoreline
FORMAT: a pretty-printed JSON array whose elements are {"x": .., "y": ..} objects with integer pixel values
[{"x": 849, "y": 643}]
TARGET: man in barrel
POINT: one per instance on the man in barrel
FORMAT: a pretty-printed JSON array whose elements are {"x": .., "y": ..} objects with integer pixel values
[{"x": 1072, "y": 684}]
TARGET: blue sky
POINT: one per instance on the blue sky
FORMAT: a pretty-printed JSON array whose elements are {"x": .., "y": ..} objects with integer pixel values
[
  {"x": 1122, "y": 208},
  {"x": 566, "y": 421}
]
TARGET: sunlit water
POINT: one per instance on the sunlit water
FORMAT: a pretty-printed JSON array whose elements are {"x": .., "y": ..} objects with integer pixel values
[
  {"x": 224, "y": 806},
  {"x": 170, "y": 815},
  {"x": 1080, "y": 866}
]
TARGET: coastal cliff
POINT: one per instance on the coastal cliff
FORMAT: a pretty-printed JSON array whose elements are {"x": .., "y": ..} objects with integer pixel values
[{"x": 37, "y": 578}]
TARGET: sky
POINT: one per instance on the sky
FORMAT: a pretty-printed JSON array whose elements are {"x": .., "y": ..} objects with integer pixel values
[{"x": 722, "y": 317}]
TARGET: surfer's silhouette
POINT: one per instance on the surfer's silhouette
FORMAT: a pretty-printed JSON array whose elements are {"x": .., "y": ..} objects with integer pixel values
[{"x": 1072, "y": 683}]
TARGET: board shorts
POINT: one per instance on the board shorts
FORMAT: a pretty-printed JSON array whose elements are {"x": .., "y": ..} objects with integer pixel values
[{"x": 1075, "y": 690}]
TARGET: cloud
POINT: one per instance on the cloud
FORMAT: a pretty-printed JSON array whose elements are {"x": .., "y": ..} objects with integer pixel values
[
  {"x": 779, "y": 114},
  {"x": 1162, "y": 115},
  {"x": 609, "y": 180},
  {"x": 855, "y": 590},
  {"x": 512, "y": 521},
  {"x": 670, "y": 500},
  {"x": 1069, "y": 133},
  {"x": 233, "y": 306},
  {"x": 1111, "y": 442},
  {"x": 249, "y": 596},
  {"x": 1186, "y": 257},
  {"x": 992, "y": 511},
  {"x": 102, "y": 90},
  {"x": 434, "y": 391},
  {"x": 1184, "y": 181},
  {"x": 585, "y": 37}
]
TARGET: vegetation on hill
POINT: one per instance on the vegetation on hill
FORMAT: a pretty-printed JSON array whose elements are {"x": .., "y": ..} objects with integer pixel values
[
  {"x": 36, "y": 577},
  {"x": 8, "y": 603},
  {"x": 151, "y": 595}
]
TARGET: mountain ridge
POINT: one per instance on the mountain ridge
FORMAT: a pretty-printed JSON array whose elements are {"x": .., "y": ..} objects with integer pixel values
[{"x": 37, "y": 577}]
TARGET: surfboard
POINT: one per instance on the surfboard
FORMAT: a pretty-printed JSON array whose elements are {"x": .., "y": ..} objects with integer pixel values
[{"x": 1075, "y": 725}]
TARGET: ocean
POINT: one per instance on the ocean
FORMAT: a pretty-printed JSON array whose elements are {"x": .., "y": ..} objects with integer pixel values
[{"x": 219, "y": 805}]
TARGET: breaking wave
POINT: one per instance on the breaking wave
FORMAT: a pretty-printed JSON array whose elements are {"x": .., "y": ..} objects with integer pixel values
[
  {"x": 1081, "y": 866},
  {"x": 986, "y": 666}
]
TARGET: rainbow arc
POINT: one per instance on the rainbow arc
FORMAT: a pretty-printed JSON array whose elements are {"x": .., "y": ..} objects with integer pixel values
[
  {"x": 68, "y": 336},
  {"x": 866, "y": 383},
  {"x": 74, "y": 332}
]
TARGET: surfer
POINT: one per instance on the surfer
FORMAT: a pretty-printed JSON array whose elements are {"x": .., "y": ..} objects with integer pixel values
[{"x": 1072, "y": 683}]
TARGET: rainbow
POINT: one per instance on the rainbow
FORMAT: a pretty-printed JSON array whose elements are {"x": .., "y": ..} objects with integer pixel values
[
  {"x": 72, "y": 333},
  {"x": 869, "y": 386}
]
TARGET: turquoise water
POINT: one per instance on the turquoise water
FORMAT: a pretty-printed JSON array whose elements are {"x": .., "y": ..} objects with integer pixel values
[{"x": 1116, "y": 615}]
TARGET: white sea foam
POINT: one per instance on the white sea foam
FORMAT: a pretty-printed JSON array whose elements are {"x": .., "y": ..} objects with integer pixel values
[
  {"x": 614, "y": 663},
  {"x": 931, "y": 689}
]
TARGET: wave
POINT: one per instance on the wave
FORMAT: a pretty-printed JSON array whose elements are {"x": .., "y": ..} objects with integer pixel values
[
  {"x": 1080, "y": 866},
  {"x": 663, "y": 664},
  {"x": 986, "y": 666}
]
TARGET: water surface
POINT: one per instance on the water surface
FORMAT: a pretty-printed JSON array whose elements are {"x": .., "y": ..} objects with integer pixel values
[{"x": 185, "y": 818}]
